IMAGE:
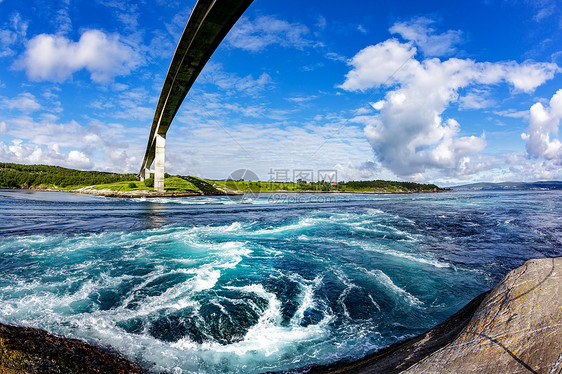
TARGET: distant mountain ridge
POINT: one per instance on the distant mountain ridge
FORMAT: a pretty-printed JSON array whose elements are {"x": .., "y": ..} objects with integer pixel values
[{"x": 537, "y": 186}]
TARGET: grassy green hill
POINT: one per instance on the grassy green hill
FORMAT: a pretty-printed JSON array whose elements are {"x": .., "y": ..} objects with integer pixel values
[
  {"x": 24, "y": 176},
  {"x": 352, "y": 186},
  {"x": 58, "y": 178}
]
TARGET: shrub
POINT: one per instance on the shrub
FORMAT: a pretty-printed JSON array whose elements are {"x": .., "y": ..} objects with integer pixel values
[
  {"x": 149, "y": 182},
  {"x": 132, "y": 185}
]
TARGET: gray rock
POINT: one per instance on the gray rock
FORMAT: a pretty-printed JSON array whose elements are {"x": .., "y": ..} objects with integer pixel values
[{"x": 516, "y": 329}]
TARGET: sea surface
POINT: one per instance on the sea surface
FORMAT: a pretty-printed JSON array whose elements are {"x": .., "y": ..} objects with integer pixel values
[{"x": 259, "y": 283}]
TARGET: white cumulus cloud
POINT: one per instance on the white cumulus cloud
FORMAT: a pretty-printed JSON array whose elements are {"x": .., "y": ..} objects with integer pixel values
[
  {"x": 79, "y": 160},
  {"x": 20, "y": 152},
  {"x": 409, "y": 135},
  {"x": 71, "y": 144},
  {"x": 265, "y": 31},
  {"x": 378, "y": 64},
  {"x": 24, "y": 102},
  {"x": 528, "y": 76},
  {"x": 544, "y": 123},
  {"x": 364, "y": 170},
  {"x": 420, "y": 32},
  {"x": 3, "y": 128},
  {"x": 55, "y": 58},
  {"x": 475, "y": 100}
]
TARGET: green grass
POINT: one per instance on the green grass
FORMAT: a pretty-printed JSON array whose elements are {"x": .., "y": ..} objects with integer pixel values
[
  {"x": 66, "y": 188},
  {"x": 54, "y": 177},
  {"x": 366, "y": 186},
  {"x": 390, "y": 188},
  {"x": 255, "y": 186},
  {"x": 170, "y": 184},
  {"x": 123, "y": 186},
  {"x": 178, "y": 184}
]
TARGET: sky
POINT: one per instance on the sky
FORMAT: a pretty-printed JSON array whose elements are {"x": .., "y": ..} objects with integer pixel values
[{"x": 428, "y": 91}]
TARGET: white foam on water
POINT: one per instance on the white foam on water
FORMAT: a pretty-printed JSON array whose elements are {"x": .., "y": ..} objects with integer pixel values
[
  {"x": 265, "y": 340},
  {"x": 301, "y": 224},
  {"x": 387, "y": 231},
  {"x": 199, "y": 256},
  {"x": 46, "y": 300},
  {"x": 188, "y": 200},
  {"x": 306, "y": 299},
  {"x": 385, "y": 280},
  {"x": 349, "y": 285},
  {"x": 374, "y": 212},
  {"x": 375, "y": 304},
  {"x": 232, "y": 249},
  {"x": 319, "y": 220},
  {"x": 205, "y": 280},
  {"x": 379, "y": 248},
  {"x": 177, "y": 297},
  {"x": 394, "y": 230},
  {"x": 233, "y": 228},
  {"x": 373, "y": 247},
  {"x": 185, "y": 261},
  {"x": 313, "y": 220},
  {"x": 229, "y": 255}
]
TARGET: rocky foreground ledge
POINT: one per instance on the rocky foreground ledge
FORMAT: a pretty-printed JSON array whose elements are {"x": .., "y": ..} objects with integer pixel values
[
  {"x": 29, "y": 350},
  {"x": 514, "y": 328}
]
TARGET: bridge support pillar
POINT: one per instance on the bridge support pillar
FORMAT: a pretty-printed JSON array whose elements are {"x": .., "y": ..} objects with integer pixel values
[
  {"x": 159, "y": 163},
  {"x": 145, "y": 174}
]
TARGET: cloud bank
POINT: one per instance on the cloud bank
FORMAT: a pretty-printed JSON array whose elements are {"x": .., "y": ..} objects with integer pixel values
[
  {"x": 265, "y": 31},
  {"x": 15, "y": 32},
  {"x": 420, "y": 32},
  {"x": 544, "y": 123},
  {"x": 410, "y": 135},
  {"x": 55, "y": 58}
]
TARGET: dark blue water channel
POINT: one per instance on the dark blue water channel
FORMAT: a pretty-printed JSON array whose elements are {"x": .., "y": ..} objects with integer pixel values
[{"x": 214, "y": 285}]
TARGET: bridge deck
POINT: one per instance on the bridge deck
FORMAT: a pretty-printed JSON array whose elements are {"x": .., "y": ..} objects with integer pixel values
[{"x": 207, "y": 26}]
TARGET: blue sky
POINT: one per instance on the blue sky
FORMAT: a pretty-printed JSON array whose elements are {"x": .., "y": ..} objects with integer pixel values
[{"x": 440, "y": 91}]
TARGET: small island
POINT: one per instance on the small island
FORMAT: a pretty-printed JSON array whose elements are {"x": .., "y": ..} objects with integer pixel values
[{"x": 56, "y": 178}]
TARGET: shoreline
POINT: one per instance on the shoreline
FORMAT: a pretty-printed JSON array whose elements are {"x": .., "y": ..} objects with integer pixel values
[
  {"x": 512, "y": 328},
  {"x": 173, "y": 194},
  {"x": 134, "y": 194},
  {"x": 139, "y": 194}
]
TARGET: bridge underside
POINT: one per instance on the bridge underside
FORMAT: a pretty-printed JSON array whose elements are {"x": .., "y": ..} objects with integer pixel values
[{"x": 207, "y": 26}]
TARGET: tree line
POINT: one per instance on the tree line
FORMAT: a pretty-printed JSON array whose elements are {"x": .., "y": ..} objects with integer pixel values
[
  {"x": 25, "y": 176},
  {"x": 382, "y": 184}
]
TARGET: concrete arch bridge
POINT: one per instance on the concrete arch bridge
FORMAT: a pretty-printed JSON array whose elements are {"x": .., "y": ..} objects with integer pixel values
[{"x": 207, "y": 26}]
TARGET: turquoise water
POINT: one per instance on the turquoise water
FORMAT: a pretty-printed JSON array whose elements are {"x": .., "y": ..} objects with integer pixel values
[{"x": 275, "y": 282}]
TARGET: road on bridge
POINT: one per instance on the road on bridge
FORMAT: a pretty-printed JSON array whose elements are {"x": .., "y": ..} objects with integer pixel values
[{"x": 207, "y": 26}]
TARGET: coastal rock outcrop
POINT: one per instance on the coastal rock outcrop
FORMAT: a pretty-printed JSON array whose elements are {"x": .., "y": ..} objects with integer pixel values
[
  {"x": 514, "y": 328},
  {"x": 30, "y": 350}
]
